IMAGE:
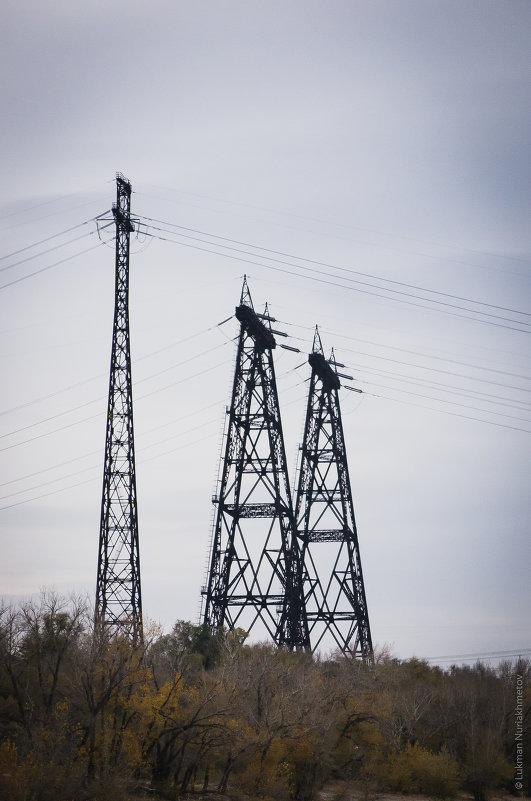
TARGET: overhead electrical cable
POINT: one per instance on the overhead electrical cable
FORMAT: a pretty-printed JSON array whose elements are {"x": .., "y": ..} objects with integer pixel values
[
  {"x": 35, "y": 206},
  {"x": 447, "y": 412},
  {"x": 459, "y": 390},
  {"x": 51, "y": 395},
  {"x": 49, "y": 433},
  {"x": 181, "y": 381},
  {"x": 443, "y": 400},
  {"x": 86, "y": 481},
  {"x": 140, "y": 450},
  {"x": 179, "y": 364},
  {"x": 52, "y": 214},
  {"x": 407, "y": 350},
  {"x": 350, "y": 227},
  {"x": 329, "y": 265},
  {"x": 176, "y": 420},
  {"x": 356, "y": 288},
  {"x": 98, "y": 478},
  {"x": 179, "y": 447},
  {"x": 361, "y": 283},
  {"x": 449, "y": 388},
  {"x": 53, "y": 417},
  {"x": 140, "y": 434},
  {"x": 99, "y": 399},
  {"x": 51, "y": 481},
  {"x": 102, "y": 397},
  {"x": 174, "y": 344},
  {"x": 49, "y": 250},
  {"x": 514, "y": 653},
  {"x": 47, "y": 239},
  {"x": 47, "y": 494},
  {"x": 100, "y": 375},
  {"x": 92, "y": 417},
  {"x": 436, "y": 370},
  {"x": 50, "y": 266},
  {"x": 50, "y": 467}
]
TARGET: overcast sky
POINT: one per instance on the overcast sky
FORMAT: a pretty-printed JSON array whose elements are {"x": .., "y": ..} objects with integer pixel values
[{"x": 384, "y": 146}]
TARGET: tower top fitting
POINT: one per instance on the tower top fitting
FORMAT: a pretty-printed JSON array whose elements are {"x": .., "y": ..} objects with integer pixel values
[{"x": 245, "y": 298}]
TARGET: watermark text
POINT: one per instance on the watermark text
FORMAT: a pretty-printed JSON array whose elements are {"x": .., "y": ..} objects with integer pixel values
[{"x": 519, "y": 734}]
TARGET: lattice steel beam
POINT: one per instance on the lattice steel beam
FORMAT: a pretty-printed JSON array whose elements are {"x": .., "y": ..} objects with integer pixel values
[
  {"x": 118, "y": 596},
  {"x": 334, "y": 593},
  {"x": 254, "y": 579}
]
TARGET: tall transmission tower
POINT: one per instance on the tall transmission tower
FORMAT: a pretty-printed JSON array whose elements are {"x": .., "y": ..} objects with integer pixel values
[
  {"x": 118, "y": 598},
  {"x": 254, "y": 579},
  {"x": 336, "y": 608}
]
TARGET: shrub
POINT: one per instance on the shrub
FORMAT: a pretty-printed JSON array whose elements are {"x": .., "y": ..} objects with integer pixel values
[{"x": 416, "y": 770}]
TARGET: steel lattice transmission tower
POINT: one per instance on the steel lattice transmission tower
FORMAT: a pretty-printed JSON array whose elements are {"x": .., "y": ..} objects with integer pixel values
[
  {"x": 254, "y": 578},
  {"x": 336, "y": 607},
  {"x": 118, "y": 597}
]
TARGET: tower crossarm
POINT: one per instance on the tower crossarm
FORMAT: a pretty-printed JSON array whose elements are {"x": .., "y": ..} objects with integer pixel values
[
  {"x": 251, "y": 323},
  {"x": 324, "y": 371}
]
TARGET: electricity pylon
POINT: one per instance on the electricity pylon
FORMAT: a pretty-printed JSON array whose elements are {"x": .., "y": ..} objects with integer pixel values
[
  {"x": 254, "y": 579},
  {"x": 118, "y": 597},
  {"x": 336, "y": 608}
]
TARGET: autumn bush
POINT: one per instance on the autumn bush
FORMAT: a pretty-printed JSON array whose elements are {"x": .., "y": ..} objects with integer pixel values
[
  {"x": 87, "y": 719},
  {"x": 416, "y": 770}
]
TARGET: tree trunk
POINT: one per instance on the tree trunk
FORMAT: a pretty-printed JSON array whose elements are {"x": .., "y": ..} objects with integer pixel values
[{"x": 222, "y": 788}]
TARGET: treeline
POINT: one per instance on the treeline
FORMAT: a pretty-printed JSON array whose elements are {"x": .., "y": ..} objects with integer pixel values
[{"x": 195, "y": 711}]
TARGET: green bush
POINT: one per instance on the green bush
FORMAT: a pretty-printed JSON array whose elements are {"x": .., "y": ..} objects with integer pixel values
[{"x": 416, "y": 770}]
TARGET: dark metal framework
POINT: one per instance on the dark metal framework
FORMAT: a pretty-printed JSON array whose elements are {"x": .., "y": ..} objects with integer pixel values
[
  {"x": 254, "y": 579},
  {"x": 336, "y": 608},
  {"x": 118, "y": 597}
]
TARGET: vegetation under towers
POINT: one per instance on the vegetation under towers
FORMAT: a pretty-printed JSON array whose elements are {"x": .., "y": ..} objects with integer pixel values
[{"x": 196, "y": 711}]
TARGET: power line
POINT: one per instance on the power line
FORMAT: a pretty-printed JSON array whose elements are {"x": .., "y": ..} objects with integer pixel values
[
  {"x": 515, "y": 652},
  {"x": 46, "y": 216},
  {"x": 98, "y": 466},
  {"x": 352, "y": 288},
  {"x": 50, "y": 395},
  {"x": 445, "y": 411},
  {"x": 100, "y": 375},
  {"x": 179, "y": 364},
  {"x": 50, "y": 467},
  {"x": 93, "y": 453},
  {"x": 52, "y": 417},
  {"x": 49, "y": 433},
  {"x": 49, "y": 250},
  {"x": 409, "y": 379},
  {"x": 437, "y": 370},
  {"x": 49, "y": 267},
  {"x": 445, "y": 387},
  {"x": 47, "y": 483},
  {"x": 92, "y": 417},
  {"x": 407, "y": 350},
  {"x": 43, "y": 241},
  {"x": 47, "y": 494},
  {"x": 459, "y": 390},
  {"x": 442, "y": 400},
  {"x": 98, "y": 478},
  {"x": 449, "y": 388},
  {"x": 182, "y": 380},
  {"x": 369, "y": 383},
  {"x": 329, "y": 265},
  {"x": 101, "y": 397},
  {"x": 352, "y": 227},
  {"x": 142, "y": 449}
]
